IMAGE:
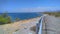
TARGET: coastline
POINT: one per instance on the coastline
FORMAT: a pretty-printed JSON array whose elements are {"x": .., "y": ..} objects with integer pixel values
[{"x": 18, "y": 25}]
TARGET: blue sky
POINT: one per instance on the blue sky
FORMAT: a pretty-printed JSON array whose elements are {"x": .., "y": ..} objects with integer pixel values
[{"x": 29, "y": 5}]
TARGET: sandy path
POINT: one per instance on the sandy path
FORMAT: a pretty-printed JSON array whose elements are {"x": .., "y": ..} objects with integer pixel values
[{"x": 52, "y": 25}]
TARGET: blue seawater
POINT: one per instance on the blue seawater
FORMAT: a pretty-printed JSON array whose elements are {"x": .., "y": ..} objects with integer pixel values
[{"x": 23, "y": 16}]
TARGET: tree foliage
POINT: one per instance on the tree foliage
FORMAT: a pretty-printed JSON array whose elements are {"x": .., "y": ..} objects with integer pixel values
[{"x": 5, "y": 19}]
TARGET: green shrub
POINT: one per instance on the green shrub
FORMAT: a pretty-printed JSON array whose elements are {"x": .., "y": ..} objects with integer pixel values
[{"x": 4, "y": 19}]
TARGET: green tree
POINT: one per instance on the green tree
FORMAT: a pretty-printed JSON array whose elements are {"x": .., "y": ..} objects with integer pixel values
[
  {"x": 5, "y": 19},
  {"x": 9, "y": 19}
]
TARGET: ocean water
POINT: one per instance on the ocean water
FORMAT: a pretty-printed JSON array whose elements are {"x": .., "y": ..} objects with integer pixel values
[{"x": 23, "y": 16}]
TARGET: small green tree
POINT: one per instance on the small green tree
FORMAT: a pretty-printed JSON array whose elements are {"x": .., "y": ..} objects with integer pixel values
[
  {"x": 5, "y": 19},
  {"x": 9, "y": 19}
]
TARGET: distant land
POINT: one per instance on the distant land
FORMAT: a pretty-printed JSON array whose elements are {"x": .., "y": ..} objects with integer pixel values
[{"x": 56, "y": 14}]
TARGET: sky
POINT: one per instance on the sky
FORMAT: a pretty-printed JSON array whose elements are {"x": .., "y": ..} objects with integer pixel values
[{"x": 29, "y": 5}]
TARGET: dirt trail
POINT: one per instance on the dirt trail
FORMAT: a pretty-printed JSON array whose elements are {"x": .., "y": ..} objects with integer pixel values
[{"x": 52, "y": 25}]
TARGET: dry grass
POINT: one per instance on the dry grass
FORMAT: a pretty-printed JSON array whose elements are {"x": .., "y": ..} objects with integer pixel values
[{"x": 56, "y": 14}]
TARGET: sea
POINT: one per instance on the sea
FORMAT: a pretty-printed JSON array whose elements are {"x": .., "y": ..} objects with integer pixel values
[{"x": 23, "y": 16}]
